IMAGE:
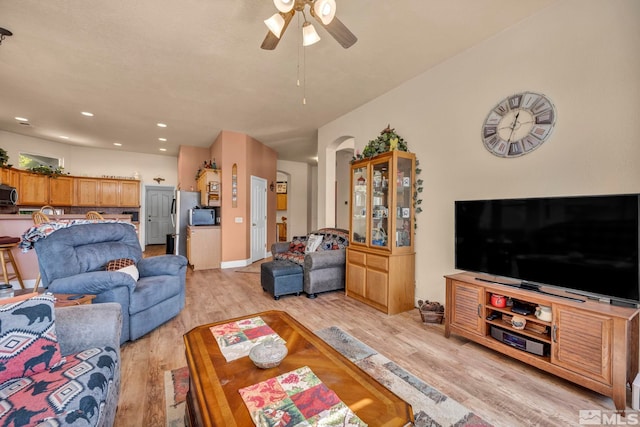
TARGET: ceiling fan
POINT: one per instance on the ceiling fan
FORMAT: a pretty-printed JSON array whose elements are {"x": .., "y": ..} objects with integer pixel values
[{"x": 323, "y": 11}]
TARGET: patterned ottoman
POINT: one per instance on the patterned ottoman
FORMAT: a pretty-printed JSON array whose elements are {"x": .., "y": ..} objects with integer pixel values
[{"x": 281, "y": 278}]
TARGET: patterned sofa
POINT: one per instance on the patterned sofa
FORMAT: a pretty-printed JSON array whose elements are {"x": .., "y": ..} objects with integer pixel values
[{"x": 324, "y": 268}]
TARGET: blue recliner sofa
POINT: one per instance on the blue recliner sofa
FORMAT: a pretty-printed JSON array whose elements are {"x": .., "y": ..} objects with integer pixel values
[{"x": 72, "y": 260}]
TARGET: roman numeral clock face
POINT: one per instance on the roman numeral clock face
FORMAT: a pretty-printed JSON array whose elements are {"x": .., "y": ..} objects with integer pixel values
[{"x": 518, "y": 124}]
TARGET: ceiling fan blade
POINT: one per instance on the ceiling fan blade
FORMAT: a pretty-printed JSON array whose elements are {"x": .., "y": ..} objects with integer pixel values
[
  {"x": 339, "y": 32},
  {"x": 271, "y": 41}
]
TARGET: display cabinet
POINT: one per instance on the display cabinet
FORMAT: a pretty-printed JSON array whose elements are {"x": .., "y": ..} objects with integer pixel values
[{"x": 381, "y": 232}]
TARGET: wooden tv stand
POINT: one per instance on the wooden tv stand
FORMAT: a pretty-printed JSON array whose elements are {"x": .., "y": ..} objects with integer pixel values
[{"x": 590, "y": 343}]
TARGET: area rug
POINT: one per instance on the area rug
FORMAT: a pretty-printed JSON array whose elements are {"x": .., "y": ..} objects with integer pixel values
[
  {"x": 252, "y": 268},
  {"x": 176, "y": 385},
  {"x": 431, "y": 408}
]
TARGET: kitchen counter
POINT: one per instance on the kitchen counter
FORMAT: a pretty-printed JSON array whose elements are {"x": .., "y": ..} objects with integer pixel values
[{"x": 15, "y": 225}]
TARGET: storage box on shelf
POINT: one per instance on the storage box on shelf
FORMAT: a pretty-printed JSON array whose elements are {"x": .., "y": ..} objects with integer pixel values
[{"x": 590, "y": 343}]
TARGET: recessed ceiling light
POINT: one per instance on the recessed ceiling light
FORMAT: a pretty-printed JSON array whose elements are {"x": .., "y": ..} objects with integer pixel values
[
  {"x": 163, "y": 149},
  {"x": 162, "y": 139},
  {"x": 86, "y": 113},
  {"x": 162, "y": 125},
  {"x": 117, "y": 144},
  {"x": 63, "y": 137},
  {"x": 21, "y": 119}
]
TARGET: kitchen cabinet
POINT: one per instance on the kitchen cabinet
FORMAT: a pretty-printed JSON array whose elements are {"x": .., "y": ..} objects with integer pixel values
[
  {"x": 203, "y": 247},
  {"x": 86, "y": 192},
  {"x": 61, "y": 191},
  {"x": 380, "y": 269},
  {"x": 94, "y": 192},
  {"x": 108, "y": 192},
  {"x": 130, "y": 193},
  {"x": 34, "y": 189},
  {"x": 10, "y": 177},
  {"x": 38, "y": 190},
  {"x": 584, "y": 341},
  {"x": 65, "y": 190}
]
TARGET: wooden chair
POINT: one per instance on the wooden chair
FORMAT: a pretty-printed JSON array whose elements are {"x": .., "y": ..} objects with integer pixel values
[
  {"x": 47, "y": 209},
  {"x": 6, "y": 257},
  {"x": 94, "y": 215},
  {"x": 40, "y": 217}
]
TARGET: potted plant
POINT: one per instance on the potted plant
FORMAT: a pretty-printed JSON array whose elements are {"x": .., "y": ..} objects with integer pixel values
[{"x": 4, "y": 157}]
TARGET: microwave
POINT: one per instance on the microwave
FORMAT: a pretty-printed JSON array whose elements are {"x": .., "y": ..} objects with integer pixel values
[
  {"x": 203, "y": 217},
  {"x": 8, "y": 195}
]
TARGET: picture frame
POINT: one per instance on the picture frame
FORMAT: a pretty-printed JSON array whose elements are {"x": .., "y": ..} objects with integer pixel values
[
  {"x": 406, "y": 212},
  {"x": 281, "y": 187}
]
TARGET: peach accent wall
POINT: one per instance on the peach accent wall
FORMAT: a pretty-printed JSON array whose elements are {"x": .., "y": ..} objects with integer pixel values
[
  {"x": 252, "y": 158},
  {"x": 189, "y": 160}
]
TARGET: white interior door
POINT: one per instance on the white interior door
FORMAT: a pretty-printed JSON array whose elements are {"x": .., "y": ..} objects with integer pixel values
[
  {"x": 158, "y": 221},
  {"x": 258, "y": 218}
]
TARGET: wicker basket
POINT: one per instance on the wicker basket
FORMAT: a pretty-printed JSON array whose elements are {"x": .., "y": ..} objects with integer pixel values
[{"x": 431, "y": 316}]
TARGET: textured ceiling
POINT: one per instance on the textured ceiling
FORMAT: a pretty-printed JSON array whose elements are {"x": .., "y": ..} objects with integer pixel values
[{"x": 196, "y": 65}]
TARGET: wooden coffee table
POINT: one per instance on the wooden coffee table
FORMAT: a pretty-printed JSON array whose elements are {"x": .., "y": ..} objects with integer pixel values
[{"x": 213, "y": 398}]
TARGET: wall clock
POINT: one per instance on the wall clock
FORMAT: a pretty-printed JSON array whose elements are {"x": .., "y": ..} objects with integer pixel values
[{"x": 518, "y": 124}]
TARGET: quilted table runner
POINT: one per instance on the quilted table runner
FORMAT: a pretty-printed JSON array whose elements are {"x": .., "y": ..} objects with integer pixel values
[
  {"x": 236, "y": 338},
  {"x": 297, "y": 398}
]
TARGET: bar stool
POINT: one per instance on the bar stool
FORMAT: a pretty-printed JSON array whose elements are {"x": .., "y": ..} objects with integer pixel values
[
  {"x": 6, "y": 244},
  {"x": 94, "y": 215}
]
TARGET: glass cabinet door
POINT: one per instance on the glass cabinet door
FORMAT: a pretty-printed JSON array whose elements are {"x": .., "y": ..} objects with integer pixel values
[
  {"x": 359, "y": 205},
  {"x": 380, "y": 204},
  {"x": 404, "y": 201}
]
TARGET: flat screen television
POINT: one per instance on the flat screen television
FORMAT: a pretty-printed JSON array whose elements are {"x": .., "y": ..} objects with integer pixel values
[{"x": 583, "y": 244}]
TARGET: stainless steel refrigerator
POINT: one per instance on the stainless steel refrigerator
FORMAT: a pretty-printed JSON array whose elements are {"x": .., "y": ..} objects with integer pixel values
[{"x": 182, "y": 202}]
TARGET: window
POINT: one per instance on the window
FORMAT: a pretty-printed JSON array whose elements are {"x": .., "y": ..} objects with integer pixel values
[{"x": 28, "y": 161}]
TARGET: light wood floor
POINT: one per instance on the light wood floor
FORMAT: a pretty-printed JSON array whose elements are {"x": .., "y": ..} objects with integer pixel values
[{"x": 504, "y": 392}]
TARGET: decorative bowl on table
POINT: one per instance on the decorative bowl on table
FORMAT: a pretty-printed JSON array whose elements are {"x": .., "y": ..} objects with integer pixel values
[{"x": 268, "y": 353}]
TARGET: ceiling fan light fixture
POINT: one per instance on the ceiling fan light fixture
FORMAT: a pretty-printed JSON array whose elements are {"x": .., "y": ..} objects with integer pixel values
[
  {"x": 275, "y": 24},
  {"x": 284, "y": 6},
  {"x": 309, "y": 34},
  {"x": 325, "y": 10}
]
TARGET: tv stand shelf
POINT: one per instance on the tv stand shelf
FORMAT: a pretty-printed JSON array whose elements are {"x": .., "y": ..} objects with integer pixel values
[{"x": 590, "y": 343}]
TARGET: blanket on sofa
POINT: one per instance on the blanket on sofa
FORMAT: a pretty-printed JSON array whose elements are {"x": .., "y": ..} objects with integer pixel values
[{"x": 332, "y": 239}]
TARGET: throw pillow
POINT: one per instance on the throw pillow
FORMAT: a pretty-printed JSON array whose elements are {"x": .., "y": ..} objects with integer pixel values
[
  {"x": 298, "y": 244},
  {"x": 117, "y": 264},
  {"x": 28, "y": 341},
  {"x": 124, "y": 265},
  {"x": 313, "y": 242}
]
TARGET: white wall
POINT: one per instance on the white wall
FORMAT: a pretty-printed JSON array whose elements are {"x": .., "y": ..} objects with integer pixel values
[
  {"x": 583, "y": 54},
  {"x": 82, "y": 161},
  {"x": 296, "y": 196}
]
